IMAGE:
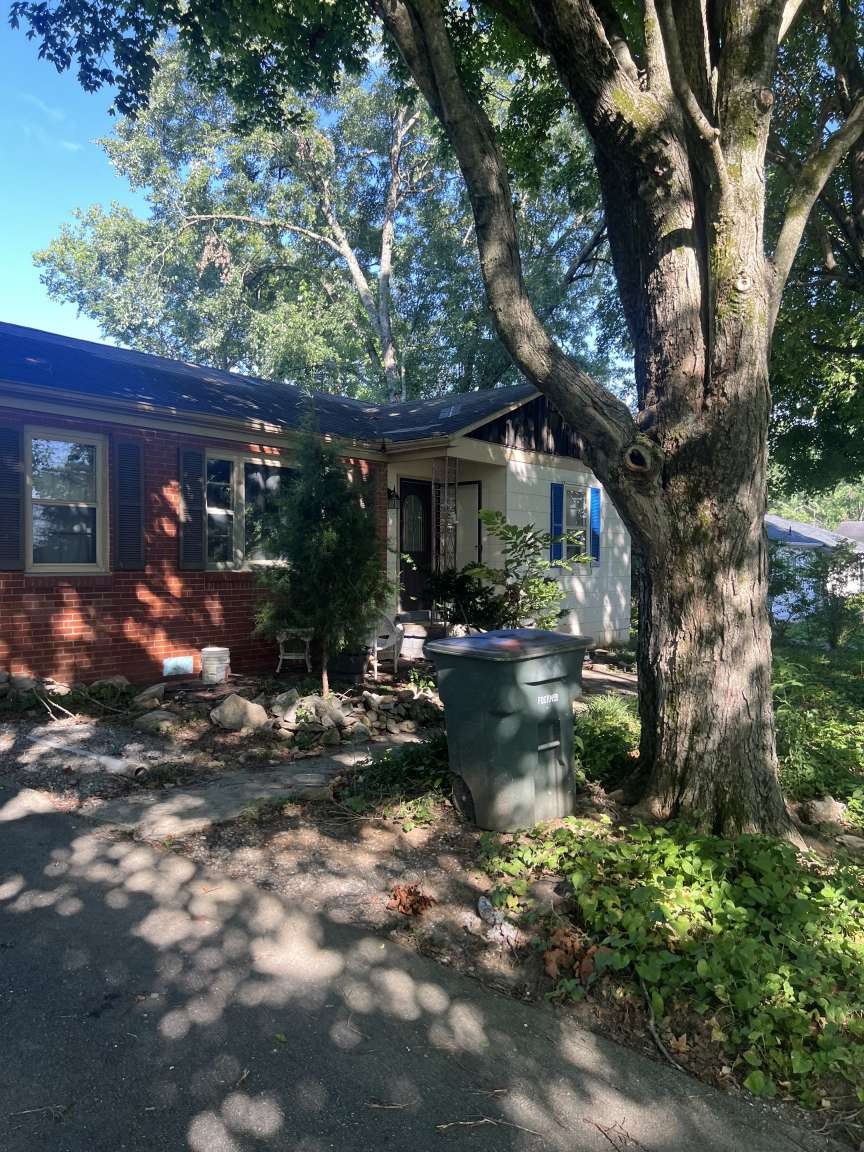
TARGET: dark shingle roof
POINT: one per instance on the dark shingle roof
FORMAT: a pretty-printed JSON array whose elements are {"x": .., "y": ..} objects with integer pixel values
[{"x": 85, "y": 368}]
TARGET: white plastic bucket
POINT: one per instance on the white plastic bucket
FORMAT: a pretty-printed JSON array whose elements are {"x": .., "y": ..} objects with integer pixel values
[{"x": 214, "y": 664}]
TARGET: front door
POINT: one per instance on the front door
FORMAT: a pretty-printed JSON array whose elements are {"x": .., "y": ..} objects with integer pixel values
[{"x": 415, "y": 542}]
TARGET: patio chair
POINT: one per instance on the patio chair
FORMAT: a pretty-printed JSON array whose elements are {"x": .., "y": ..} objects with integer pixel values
[
  {"x": 387, "y": 638},
  {"x": 294, "y": 645}
]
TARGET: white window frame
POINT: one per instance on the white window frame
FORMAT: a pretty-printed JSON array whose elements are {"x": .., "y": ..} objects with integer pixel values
[
  {"x": 238, "y": 494},
  {"x": 70, "y": 436},
  {"x": 584, "y": 488}
]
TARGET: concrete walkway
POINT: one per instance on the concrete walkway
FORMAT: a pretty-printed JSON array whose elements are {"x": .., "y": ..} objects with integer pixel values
[
  {"x": 164, "y": 814},
  {"x": 150, "y": 1006},
  {"x": 177, "y": 812}
]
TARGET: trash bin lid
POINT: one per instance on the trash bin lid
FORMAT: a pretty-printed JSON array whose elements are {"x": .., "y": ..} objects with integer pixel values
[{"x": 509, "y": 644}]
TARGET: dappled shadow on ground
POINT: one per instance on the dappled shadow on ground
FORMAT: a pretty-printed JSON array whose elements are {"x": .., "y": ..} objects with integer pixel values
[{"x": 150, "y": 1004}]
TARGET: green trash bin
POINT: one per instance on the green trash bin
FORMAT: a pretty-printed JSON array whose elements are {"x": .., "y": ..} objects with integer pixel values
[{"x": 508, "y": 705}]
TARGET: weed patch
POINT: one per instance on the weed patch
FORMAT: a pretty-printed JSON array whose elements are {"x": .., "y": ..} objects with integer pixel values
[
  {"x": 766, "y": 948},
  {"x": 406, "y": 784},
  {"x": 606, "y": 737}
]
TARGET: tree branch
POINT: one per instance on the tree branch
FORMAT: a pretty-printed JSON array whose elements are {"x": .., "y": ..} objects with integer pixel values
[
  {"x": 261, "y": 222},
  {"x": 705, "y": 131},
  {"x": 811, "y": 180},
  {"x": 790, "y": 13},
  {"x": 420, "y": 34}
]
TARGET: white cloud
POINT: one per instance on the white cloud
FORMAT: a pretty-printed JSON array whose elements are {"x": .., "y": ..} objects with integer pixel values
[{"x": 49, "y": 111}]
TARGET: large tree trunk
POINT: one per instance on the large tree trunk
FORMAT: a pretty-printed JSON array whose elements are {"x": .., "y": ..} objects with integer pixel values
[{"x": 707, "y": 746}]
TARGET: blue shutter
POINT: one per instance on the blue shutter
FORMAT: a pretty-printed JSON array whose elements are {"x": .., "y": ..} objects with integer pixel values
[
  {"x": 556, "y": 524},
  {"x": 595, "y": 523}
]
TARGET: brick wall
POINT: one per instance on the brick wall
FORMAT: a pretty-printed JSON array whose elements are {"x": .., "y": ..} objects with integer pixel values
[{"x": 79, "y": 628}]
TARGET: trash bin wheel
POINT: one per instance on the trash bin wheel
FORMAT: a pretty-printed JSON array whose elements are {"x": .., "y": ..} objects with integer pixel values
[{"x": 463, "y": 801}]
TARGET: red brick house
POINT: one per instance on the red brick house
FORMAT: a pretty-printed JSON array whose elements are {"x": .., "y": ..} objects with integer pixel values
[{"x": 130, "y": 484}]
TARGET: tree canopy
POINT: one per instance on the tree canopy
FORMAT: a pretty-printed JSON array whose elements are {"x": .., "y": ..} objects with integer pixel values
[{"x": 335, "y": 250}]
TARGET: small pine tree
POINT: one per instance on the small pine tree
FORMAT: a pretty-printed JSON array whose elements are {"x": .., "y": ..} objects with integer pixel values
[{"x": 322, "y": 530}]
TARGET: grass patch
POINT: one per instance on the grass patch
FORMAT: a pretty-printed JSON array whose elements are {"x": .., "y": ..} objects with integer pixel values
[
  {"x": 768, "y": 950},
  {"x": 406, "y": 784},
  {"x": 606, "y": 736},
  {"x": 819, "y": 710}
]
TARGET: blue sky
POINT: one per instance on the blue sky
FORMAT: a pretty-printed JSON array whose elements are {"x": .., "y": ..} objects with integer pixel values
[{"x": 50, "y": 165}]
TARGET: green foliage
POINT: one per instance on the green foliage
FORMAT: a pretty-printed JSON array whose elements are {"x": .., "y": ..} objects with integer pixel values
[
  {"x": 527, "y": 592},
  {"x": 461, "y": 597},
  {"x": 819, "y": 590},
  {"x": 322, "y": 529},
  {"x": 767, "y": 947},
  {"x": 207, "y": 275},
  {"x": 407, "y": 784},
  {"x": 826, "y": 508},
  {"x": 606, "y": 734},
  {"x": 819, "y": 713}
]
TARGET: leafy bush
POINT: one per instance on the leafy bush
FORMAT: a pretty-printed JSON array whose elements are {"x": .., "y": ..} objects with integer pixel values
[
  {"x": 606, "y": 733},
  {"x": 819, "y": 713},
  {"x": 819, "y": 591},
  {"x": 767, "y": 948},
  {"x": 404, "y": 784},
  {"x": 461, "y": 597}
]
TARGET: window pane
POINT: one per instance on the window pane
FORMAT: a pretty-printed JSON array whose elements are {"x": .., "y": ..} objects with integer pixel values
[
  {"x": 262, "y": 486},
  {"x": 220, "y": 488},
  {"x": 220, "y": 537},
  {"x": 64, "y": 470},
  {"x": 574, "y": 522},
  {"x": 64, "y": 535}
]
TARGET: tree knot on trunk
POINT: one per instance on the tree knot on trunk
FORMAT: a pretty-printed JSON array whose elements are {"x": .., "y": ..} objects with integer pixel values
[{"x": 641, "y": 457}]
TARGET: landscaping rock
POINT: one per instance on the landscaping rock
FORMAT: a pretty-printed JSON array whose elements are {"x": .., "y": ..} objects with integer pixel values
[
  {"x": 331, "y": 736},
  {"x": 329, "y": 713},
  {"x": 372, "y": 699},
  {"x": 149, "y": 697},
  {"x": 824, "y": 811},
  {"x": 853, "y": 844},
  {"x": 109, "y": 682},
  {"x": 157, "y": 722},
  {"x": 283, "y": 703},
  {"x": 235, "y": 713},
  {"x": 359, "y": 734},
  {"x": 393, "y": 727},
  {"x": 408, "y": 726},
  {"x": 55, "y": 688},
  {"x": 25, "y": 683},
  {"x": 406, "y": 696}
]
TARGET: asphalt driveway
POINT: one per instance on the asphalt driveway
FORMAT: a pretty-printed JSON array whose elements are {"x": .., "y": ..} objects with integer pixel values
[{"x": 149, "y": 1006}]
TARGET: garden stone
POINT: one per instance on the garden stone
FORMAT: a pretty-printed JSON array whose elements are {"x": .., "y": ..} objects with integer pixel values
[
  {"x": 157, "y": 722},
  {"x": 359, "y": 734},
  {"x": 115, "y": 682},
  {"x": 25, "y": 683},
  {"x": 149, "y": 697},
  {"x": 331, "y": 737},
  {"x": 408, "y": 726},
  {"x": 372, "y": 699},
  {"x": 235, "y": 713},
  {"x": 329, "y": 713},
  {"x": 824, "y": 811},
  {"x": 284, "y": 702},
  {"x": 393, "y": 727},
  {"x": 853, "y": 844},
  {"x": 386, "y": 706},
  {"x": 55, "y": 688},
  {"x": 406, "y": 696}
]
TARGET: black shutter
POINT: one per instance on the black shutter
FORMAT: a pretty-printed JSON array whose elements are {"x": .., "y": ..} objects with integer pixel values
[
  {"x": 11, "y": 501},
  {"x": 193, "y": 551},
  {"x": 128, "y": 506}
]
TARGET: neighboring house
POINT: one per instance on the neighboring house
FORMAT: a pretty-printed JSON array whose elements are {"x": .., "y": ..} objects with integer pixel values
[
  {"x": 801, "y": 539},
  {"x": 130, "y": 487}
]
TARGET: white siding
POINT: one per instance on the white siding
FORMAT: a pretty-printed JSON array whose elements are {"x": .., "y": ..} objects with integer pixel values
[{"x": 598, "y": 594}]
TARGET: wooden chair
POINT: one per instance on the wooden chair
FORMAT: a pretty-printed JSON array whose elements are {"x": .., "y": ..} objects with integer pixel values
[
  {"x": 294, "y": 645},
  {"x": 386, "y": 638}
]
